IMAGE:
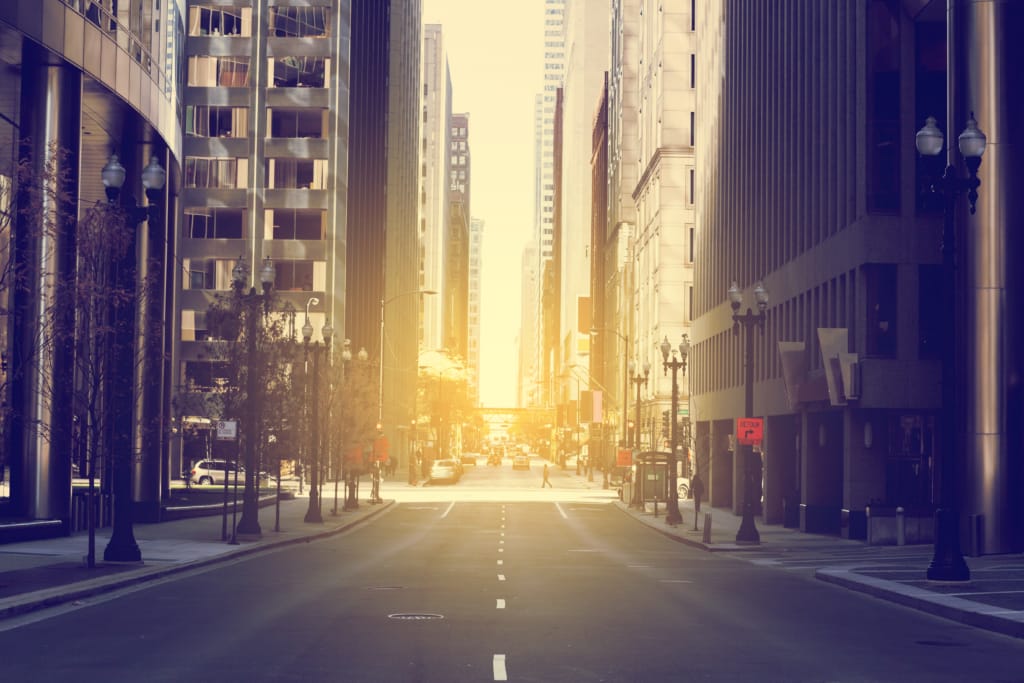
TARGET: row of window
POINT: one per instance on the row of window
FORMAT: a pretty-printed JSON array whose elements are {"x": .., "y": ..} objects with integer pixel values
[
  {"x": 217, "y": 172},
  {"x": 282, "y": 22},
  {"x": 215, "y": 274},
  {"x": 233, "y": 72},
  {"x": 229, "y": 223}
]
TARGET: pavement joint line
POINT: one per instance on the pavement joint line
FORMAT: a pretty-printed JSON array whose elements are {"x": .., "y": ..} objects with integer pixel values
[{"x": 52, "y": 597}]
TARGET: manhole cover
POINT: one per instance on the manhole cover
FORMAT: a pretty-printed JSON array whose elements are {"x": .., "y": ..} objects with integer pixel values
[{"x": 415, "y": 616}]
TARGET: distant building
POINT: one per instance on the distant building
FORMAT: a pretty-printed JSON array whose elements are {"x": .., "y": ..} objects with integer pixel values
[{"x": 476, "y": 242}]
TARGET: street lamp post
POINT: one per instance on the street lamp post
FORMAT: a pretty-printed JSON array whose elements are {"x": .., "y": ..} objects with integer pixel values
[
  {"x": 122, "y": 546},
  {"x": 639, "y": 380},
  {"x": 346, "y": 356},
  {"x": 948, "y": 561},
  {"x": 257, "y": 304},
  {"x": 624, "y": 440},
  {"x": 747, "y": 533},
  {"x": 669, "y": 362},
  {"x": 317, "y": 350},
  {"x": 351, "y": 479}
]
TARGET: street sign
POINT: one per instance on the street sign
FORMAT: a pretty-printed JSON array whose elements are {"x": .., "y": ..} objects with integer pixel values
[
  {"x": 749, "y": 430},
  {"x": 227, "y": 430}
]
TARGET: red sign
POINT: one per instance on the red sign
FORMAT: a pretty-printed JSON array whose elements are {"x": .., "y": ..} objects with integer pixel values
[
  {"x": 624, "y": 458},
  {"x": 749, "y": 430},
  {"x": 380, "y": 449}
]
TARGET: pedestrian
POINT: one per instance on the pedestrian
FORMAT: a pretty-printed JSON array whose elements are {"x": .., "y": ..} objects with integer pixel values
[
  {"x": 697, "y": 491},
  {"x": 546, "y": 481}
]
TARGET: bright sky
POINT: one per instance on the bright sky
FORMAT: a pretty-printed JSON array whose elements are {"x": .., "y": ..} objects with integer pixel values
[{"x": 496, "y": 58}]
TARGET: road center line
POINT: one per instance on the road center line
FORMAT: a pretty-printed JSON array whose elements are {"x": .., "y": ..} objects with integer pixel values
[
  {"x": 448, "y": 510},
  {"x": 501, "y": 561},
  {"x": 501, "y": 603},
  {"x": 501, "y": 577},
  {"x": 499, "y": 668},
  {"x": 561, "y": 511}
]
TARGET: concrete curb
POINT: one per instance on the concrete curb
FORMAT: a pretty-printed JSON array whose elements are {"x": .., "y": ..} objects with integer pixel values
[
  {"x": 678, "y": 535},
  {"x": 52, "y": 597},
  {"x": 997, "y": 619}
]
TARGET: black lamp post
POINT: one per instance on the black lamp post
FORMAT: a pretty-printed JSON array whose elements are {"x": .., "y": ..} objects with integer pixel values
[
  {"x": 351, "y": 478},
  {"x": 669, "y": 362},
  {"x": 625, "y": 393},
  {"x": 317, "y": 350},
  {"x": 747, "y": 533},
  {"x": 948, "y": 561},
  {"x": 257, "y": 305},
  {"x": 346, "y": 356},
  {"x": 639, "y": 380},
  {"x": 122, "y": 546}
]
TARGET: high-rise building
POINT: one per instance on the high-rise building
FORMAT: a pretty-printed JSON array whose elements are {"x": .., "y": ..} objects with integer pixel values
[
  {"x": 554, "y": 71},
  {"x": 817, "y": 192},
  {"x": 528, "y": 389},
  {"x": 382, "y": 251},
  {"x": 476, "y": 243},
  {"x": 434, "y": 180},
  {"x": 456, "y": 251},
  {"x": 82, "y": 81},
  {"x": 265, "y": 171}
]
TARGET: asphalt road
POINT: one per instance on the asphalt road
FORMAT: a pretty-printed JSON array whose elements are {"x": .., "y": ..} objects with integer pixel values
[{"x": 483, "y": 581}]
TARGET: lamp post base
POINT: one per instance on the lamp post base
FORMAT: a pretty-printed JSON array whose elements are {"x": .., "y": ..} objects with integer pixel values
[
  {"x": 248, "y": 528},
  {"x": 747, "y": 533},
  {"x": 948, "y": 562},
  {"x": 122, "y": 548}
]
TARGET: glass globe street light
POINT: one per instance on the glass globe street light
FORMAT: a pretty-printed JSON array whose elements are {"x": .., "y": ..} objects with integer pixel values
[
  {"x": 948, "y": 561},
  {"x": 669, "y": 362}
]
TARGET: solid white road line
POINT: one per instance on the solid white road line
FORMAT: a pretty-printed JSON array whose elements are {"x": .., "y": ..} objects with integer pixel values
[
  {"x": 561, "y": 511},
  {"x": 448, "y": 510},
  {"x": 499, "y": 668},
  {"x": 501, "y": 603}
]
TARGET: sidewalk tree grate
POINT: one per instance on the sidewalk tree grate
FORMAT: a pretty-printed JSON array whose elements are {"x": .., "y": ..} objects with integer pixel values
[{"x": 415, "y": 616}]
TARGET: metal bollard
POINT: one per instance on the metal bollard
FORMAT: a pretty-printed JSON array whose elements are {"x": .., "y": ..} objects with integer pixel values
[
  {"x": 706, "y": 536},
  {"x": 655, "y": 506},
  {"x": 901, "y": 527}
]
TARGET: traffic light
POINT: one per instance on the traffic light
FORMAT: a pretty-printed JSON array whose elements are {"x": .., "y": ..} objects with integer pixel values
[{"x": 665, "y": 430}]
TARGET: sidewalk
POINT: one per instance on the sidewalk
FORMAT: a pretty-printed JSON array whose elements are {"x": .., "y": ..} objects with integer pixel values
[
  {"x": 993, "y": 599},
  {"x": 39, "y": 574}
]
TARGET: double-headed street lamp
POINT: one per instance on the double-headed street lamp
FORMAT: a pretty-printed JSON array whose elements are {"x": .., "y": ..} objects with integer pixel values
[
  {"x": 747, "y": 533},
  {"x": 639, "y": 379},
  {"x": 669, "y": 362},
  {"x": 346, "y": 356},
  {"x": 317, "y": 350},
  {"x": 122, "y": 546},
  {"x": 948, "y": 561},
  {"x": 257, "y": 305}
]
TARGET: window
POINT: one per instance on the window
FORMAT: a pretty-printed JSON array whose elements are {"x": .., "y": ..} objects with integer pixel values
[
  {"x": 214, "y": 223},
  {"x": 227, "y": 72},
  {"x": 881, "y": 300},
  {"x": 294, "y": 276},
  {"x": 300, "y": 22},
  {"x": 215, "y": 21},
  {"x": 297, "y": 123},
  {"x": 298, "y": 224},
  {"x": 883, "y": 110},
  {"x": 205, "y": 172},
  {"x": 213, "y": 122},
  {"x": 299, "y": 72},
  {"x": 301, "y": 174}
]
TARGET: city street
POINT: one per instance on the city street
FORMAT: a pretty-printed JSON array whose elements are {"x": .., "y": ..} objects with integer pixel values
[{"x": 494, "y": 578}]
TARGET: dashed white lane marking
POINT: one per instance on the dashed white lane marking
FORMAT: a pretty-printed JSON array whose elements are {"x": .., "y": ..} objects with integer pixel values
[
  {"x": 448, "y": 510},
  {"x": 501, "y": 550},
  {"x": 501, "y": 603},
  {"x": 501, "y": 577},
  {"x": 501, "y": 542},
  {"x": 502, "y": 533},
  {"x": 501, "y": 561},
  {"x": 499, "y": 668},
  {"x": 561, "y": 511}
]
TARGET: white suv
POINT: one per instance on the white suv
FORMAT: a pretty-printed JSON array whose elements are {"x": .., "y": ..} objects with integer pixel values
[{"x": 215, "y": 471}]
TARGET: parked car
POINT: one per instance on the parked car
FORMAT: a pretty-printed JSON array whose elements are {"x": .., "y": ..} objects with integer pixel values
[
  {"x": 469, "y": 458},
  {"x": 521, "y": 462},
  {"x": 444, "y": 470},
  {"x": 215, "y": 471}
]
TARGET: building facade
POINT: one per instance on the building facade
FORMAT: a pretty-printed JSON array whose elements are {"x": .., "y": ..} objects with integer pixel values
[
  {"x": 83, "y": 81},
  {"x": 818, "y": 193}
]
